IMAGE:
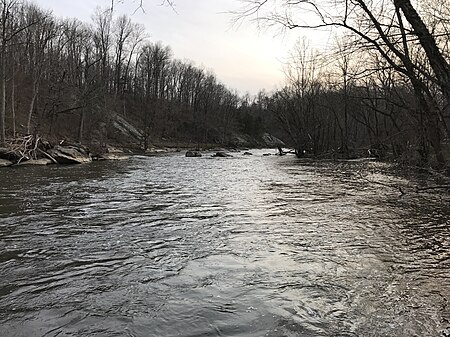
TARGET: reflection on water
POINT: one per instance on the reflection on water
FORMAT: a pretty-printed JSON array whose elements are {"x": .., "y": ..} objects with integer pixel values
[{"x": 243, "y": 246}]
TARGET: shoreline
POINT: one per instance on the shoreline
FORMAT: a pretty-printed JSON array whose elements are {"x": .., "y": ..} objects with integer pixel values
[{"x": 43, "y": 154}]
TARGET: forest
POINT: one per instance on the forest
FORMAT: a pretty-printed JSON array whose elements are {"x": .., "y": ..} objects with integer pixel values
[
  {"x": 382, "y": 87},
  {"x": 67, "y": 79}
]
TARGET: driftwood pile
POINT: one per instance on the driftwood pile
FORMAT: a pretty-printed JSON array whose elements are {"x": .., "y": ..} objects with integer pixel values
[{"x": 33, "y": 150}]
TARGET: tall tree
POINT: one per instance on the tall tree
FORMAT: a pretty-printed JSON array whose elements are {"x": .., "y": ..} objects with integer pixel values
[
  {"x": 9, "y": 30},
  {"x": 390, "y": 28},
  {"x": 41, "y": 29}
]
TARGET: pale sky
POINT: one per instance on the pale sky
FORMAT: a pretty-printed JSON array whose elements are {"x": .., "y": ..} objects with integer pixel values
[{"x": 243, "y": 58}]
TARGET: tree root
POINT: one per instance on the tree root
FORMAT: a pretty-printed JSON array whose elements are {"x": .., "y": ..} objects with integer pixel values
[{"x": 24, "y": 148}]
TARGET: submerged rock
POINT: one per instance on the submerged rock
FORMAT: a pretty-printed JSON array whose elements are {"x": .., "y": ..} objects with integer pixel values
[{"x": 248, "y": 153}]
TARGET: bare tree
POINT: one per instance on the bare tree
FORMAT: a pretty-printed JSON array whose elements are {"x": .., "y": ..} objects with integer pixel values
[
  {"x": 390, "y": 28},
  {"x": 76, "y": 80},
  {"x": 102, "y": 39},
  {"x": 41, "y": 29},
  {"x": 11, "y": 27}
]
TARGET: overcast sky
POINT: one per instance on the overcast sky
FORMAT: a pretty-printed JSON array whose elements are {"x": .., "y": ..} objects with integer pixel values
[{"x": 243, "y": 58}]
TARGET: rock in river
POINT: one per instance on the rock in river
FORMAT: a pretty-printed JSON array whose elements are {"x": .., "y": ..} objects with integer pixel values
[
  {"x": 193, "y": 154},
  {"x": 222, "y": 154},
  {"x": 70, "y": 154}
]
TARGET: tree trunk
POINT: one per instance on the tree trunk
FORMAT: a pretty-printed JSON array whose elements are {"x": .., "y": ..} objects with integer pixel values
[
  {"x": 81, "y": 126},
  {"x": 33, "y": 101},
  {"x": 435, "y": 140},
  {"x": 13, "y": 105},
  {"x": 53, "y": 123},
  {"x": 3, "y": 95},
  {"x": 427, "y": 41}
]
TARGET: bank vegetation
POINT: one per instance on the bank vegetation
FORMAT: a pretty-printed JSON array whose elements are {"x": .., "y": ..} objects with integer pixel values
[
  {"x": 106, "y": 82},
  {"x": 381, "y": 88}
]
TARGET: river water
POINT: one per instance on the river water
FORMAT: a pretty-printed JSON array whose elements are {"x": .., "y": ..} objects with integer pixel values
[{"x": 242, "y": 246}]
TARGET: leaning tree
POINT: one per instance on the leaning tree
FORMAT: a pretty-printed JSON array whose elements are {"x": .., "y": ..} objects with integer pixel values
[{"x": 395, "y": 29}]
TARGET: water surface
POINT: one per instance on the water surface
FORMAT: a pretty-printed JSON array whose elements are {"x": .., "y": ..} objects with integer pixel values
[{"x": 242, "y": 246}]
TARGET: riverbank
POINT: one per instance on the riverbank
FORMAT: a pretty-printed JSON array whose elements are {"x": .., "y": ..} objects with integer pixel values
[{"x": 35, "y": 150}]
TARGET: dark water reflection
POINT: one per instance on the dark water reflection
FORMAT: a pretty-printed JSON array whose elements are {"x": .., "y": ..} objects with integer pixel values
[{"x": 259, "y": 246}]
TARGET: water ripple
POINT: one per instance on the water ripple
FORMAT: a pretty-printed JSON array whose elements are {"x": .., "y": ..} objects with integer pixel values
[{"x": 243, "y": 246}]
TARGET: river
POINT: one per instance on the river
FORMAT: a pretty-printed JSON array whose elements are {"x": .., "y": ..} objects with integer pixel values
[{"x": 244, "y": 246}]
